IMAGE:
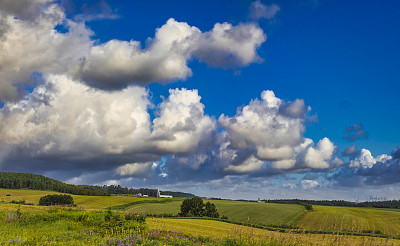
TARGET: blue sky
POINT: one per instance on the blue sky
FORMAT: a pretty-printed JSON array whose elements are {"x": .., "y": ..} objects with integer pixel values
[{"x": 293, "y": 99}]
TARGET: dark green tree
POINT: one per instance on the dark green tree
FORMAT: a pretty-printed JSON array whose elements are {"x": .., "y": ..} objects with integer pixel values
[
  {"x": 211, "y": 210},
  {"x": 192, "y": 207},
  {"x": 56, "y": 200}
]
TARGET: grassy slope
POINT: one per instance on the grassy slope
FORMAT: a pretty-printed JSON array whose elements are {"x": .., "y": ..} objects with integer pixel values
[
  {"x": 323, "y": 218},
  {"x": 248, "y": 212},
  {"x": 260, "y": 213},
  {"x": 253, "y": 236},
  {"x": 352, "y": 219},
  {"x": 87, "y": 202}
]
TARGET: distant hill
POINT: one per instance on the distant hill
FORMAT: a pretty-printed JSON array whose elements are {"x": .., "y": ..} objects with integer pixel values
[
  {"x": 118, "y": 190},
  {"x": 11, "y": 180}
]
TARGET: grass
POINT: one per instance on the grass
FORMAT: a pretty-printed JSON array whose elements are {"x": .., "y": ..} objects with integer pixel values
[
  {"x": 260, "y": 213},
  {"x": 379, "y": 221},
  {"x": 66, "y": 229},
  {"x": 254, "y": 236},
  {"x": 245, "y": 212}
]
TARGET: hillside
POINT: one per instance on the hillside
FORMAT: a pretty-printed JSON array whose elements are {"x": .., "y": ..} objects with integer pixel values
[{"x": 11, "y": 180}]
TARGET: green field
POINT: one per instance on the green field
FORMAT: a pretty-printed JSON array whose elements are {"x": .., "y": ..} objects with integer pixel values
[
  {"x": 245, "y": 212},
  {"x": 68, "y": 225},
  {"x": 386, "y": 221},
  {"x": 254, "y": 236}
]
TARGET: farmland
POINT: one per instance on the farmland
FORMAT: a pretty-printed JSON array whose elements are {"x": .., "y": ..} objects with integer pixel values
[
  {"x": 37, "y": 225},
  {"x": 352, "y": 219}
]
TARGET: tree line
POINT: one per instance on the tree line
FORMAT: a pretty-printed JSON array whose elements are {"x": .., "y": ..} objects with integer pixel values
[
  {"x": 119, "y": 190},
  {"x": 340, "y": 203},
  {"x": 11, "y": 180}
]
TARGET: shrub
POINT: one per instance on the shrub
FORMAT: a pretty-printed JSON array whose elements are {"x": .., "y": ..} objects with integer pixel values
[
  {"x": 135, "y": 217},
  {"x": 224, "y": 217},
  {"x": 56, "y": 200}
]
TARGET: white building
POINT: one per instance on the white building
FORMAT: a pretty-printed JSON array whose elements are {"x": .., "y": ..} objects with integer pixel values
[{"x": 162, "y": 196}]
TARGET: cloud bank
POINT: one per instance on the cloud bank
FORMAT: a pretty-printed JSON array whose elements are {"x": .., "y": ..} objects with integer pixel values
[
  {"x": 88, "y": 117},
  {"x": 30, "y": 27}
]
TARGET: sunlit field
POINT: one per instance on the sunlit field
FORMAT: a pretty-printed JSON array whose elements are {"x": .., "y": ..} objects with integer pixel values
[
  {"x": 114, "y": 220},
  {"x": 353, "y": 219}
]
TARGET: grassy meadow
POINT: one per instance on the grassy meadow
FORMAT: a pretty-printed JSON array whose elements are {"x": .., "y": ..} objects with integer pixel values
[
  {"x": 91, "y": 222},
  {"x": 379, "y": 221}
]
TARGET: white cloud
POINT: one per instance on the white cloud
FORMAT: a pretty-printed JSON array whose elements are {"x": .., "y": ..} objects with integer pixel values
[
  {"x": 230, "y": 46},
  {"x": 182, "y": 124},
  {"x": 366, "y": 160},
  {"x": 259, "y": 10},
  {"x": 271, "y": 130},
  {"x": 34, "y": 45},
  {"x": 309, "y": 184},
  {"x": 137, "y": 170},
  {"x": 319, "y": 157},
  {"x": 67, "y": 121},
  {"x": 260, "y": 125}
]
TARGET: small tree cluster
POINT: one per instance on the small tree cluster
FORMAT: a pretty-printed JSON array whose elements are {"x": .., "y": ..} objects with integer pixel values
[
  {"x": 195, "y": 207},
  {"x": 56, "y": 200}
]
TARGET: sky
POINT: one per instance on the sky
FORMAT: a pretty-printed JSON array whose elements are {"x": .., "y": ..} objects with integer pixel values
[{"x": 232, "y": 99}]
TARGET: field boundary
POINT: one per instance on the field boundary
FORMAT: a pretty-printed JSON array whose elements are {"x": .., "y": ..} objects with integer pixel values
[{"x": 124, "y": 206}]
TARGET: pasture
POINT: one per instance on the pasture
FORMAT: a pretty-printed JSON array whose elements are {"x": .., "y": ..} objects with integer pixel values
[
  {"x": 352, "y": 219},
  {"x": 40, "y": 224},
  {"x": 253, "y": 236}
]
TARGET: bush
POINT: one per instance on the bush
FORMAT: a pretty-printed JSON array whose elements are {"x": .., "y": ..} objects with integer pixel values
[
  {"x": 224, "y": 217},
  {"x": 307, "y": 206},
  {"x": 56, "y": 200},
  {"x": 135, "y": 217}
]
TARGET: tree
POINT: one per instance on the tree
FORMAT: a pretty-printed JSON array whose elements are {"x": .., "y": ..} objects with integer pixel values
[
  {"x": 56, "y": 200},
  {"x": 211, "y": 210},
  {"x": 196, "y": 207},
  {"x": 192, "y": 207}
]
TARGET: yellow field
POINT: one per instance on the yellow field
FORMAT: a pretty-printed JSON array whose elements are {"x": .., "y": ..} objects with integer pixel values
[
  {"x": 86, "y": 202},
  {"x": 323, "y": 218},
  {"x": 352, "y": 219},
  {"x": 253, "y": 236}
]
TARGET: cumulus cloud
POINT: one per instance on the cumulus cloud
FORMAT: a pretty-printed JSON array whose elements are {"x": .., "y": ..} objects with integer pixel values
[
  {"x": 52, "y": 126},
  {"x": 137, "y": 170},
  {"x": 260, "y": 11},
  {"x": 230, "y": 46},
  {"x": 371, "y": 171},
  {"x": 181, "y": 124},
  {"x": 23, "y": 9},
  {"x": 307, "y": 184},
  {"x": 270, "y": 131},
  {"x": 114, "y": 64},
  {"x": 318, "y": 157},
  {"x": 260, "y": 125},
  {"x": 364, "y": 160},
  {"x": 355, "y": 132},
  {"x": 29, "y": 46}
]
